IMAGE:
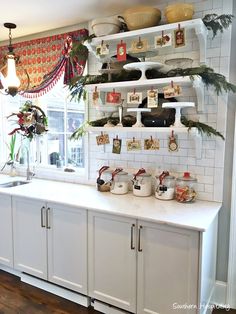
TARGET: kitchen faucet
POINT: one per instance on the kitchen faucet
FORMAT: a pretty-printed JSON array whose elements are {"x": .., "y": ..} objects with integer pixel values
[{"x": 29, "y": 173}]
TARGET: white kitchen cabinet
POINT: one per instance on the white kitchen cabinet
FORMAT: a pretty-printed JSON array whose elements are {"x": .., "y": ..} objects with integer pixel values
[
  {"x": 30, "y": 237},
  {"x": 112, "y": 260},
  {"x": 150, "y": 268},
  {"x": 50, "y": 242},
  {"x": 67, "y": 247},
  {"x": 6, "y": 235},
  {"x": 167, "y": 269}
]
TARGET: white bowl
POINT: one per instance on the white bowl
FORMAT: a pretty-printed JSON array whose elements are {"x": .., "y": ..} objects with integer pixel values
[{"x": 105, "y": 26}]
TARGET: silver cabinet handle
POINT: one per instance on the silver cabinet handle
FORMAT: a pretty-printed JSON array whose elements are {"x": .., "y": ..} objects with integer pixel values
[
  {"x": 48, "y": 218},
  {"x": 132, "y": 237},
  {"x": 42, "y": 217},
  {"x": 139, "y": 239}
]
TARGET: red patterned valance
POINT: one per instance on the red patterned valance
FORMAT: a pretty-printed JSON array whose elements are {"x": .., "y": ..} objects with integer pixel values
[{"x": 45, "y": 59}]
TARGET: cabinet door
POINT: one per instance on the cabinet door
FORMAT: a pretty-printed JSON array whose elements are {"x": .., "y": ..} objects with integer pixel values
[
  {"x": 6, "y": 243},
  {"x": 30, "y": 237},
  {"x": 67, "y": 247},
  {"x": 167, "y": 269},
  {"x": 112, "y": 260}
]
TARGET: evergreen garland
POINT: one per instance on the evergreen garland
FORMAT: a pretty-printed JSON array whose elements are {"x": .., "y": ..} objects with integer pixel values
[
  {"x": 217, "y": 23},
  {"x": 129, "y": 120},
  {"x": 202, "y": 127}
]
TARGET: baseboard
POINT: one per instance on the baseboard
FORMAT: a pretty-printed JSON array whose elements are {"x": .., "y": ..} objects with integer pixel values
[
  {"x": 219, "y": 296},
  {"x": 59, "y": 291},
  {"x": 10, "y": 270},
  {"x": 106, "y": 308}
]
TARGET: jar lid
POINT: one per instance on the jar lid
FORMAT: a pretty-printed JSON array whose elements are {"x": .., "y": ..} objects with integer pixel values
[
  {"x": 122, "y": 173},
  {"x": 169, "y": 177},
  {"x": 187, "y": 177},
  {"x": 144, "y": 175}
]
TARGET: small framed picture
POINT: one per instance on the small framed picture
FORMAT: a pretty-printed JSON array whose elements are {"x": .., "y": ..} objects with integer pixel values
[
  {"x": 172, "y": 91},
  {"x": 113, "y": 98},
  {"x": 133, "y": 145},
  {"x": 179, "y": 37},
  {"x": 152, "y": 98},
  {"x": 151, "y": 144},
  {"x": 116, "y": 147},
  {"x": 134, "y": 98},
  {"x": 95, "y": 97},
  {"x": 163, "y": 40},
  {"x": 102, "y": 139}
]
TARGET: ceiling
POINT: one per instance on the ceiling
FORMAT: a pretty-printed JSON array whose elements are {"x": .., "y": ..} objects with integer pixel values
[{"x": 32, "y": 16}]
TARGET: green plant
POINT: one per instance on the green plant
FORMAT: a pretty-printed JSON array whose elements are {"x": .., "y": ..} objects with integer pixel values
[{"x": 11, "y": 147}]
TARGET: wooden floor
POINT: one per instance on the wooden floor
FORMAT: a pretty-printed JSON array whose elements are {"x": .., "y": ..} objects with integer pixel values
[{"x": 17, "y": 297}]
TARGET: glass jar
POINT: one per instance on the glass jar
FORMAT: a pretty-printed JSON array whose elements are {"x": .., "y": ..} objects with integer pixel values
[
  {"x": 185, "y": 190},
  {"x": 165, "y": 189},
  {"x": 120, "y": 183},
  {"x": 104, "y": 179},
  {"x": 142, "y": 184}
]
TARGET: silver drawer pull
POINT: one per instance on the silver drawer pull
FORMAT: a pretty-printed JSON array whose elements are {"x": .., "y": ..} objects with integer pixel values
[
  {"x": 132, "y": 237},
  {"x": 42, "y": 217},
  {"x": 48, "y": 218},
  {"x": 139, "y": 239}
]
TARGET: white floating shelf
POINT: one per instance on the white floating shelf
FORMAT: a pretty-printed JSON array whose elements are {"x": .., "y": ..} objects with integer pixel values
[
  {"x": 196, "y": 24},
  {"x": 184, "y": 81},
  {"x": 194, "y": 133}
]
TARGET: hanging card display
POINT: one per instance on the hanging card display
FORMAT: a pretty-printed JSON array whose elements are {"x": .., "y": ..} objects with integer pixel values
[
  {"x": 95, "y": 96},
  {"x": 173, "y": 142},
  {"x": 116, "y": 147},
  {"x": 121, "y": 51},
  {"x": 163, "y": 40},
  {"x": 113, "y": 97},
  {"x": 179, "y": 37},
  {"x": 140, "y": 45},
  {"x": 133, "y": 145},
  {"x": 134, "y": 98},
  {"x": 151, "y": 144},
  {"x": 173, "y": 90},
  {"x": 152, "y": 98},
  {"x": 103, "y": 49},
  {"x": 102, "y": 139}
]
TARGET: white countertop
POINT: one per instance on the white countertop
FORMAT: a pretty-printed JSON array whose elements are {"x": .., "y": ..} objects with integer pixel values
[{"x": 196, "y": 216}]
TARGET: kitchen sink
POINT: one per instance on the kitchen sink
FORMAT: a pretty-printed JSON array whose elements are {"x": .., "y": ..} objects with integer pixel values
[{"x": 12, "y": 184}]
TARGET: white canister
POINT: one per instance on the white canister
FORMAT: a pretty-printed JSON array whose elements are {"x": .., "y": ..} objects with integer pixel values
[
  {"x": 142, "y": 184},
  {"x": 165, "y": 189},
  {"x": 120, "y": 183}
]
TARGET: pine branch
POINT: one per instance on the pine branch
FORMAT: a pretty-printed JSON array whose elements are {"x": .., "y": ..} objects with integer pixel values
[
  {"x": 202, "y": 127},
  {"x": 217, "y": 23}
]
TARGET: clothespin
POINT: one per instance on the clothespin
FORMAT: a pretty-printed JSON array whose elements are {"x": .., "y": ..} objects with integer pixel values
[
  {"x": 172, "y": 84},
  {"x": 133, "y": 139},
  {"x": 179, "y": 27},
  {"x": 151, "y": 139},
  {"x": 116, "y": 137},
  {"x": 134, "y": 90}
]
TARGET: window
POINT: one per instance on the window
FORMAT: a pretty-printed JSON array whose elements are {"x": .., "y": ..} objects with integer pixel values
[
  {"x": 54, "y": 149},
  {"x": 64, "y": 117}
]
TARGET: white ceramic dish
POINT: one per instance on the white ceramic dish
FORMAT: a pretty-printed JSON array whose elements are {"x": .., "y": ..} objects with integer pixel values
[
  {"x": 178, "y": 106},
  {"x": 105, "y": 26},
  {"x": 143, "y": 67}
]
